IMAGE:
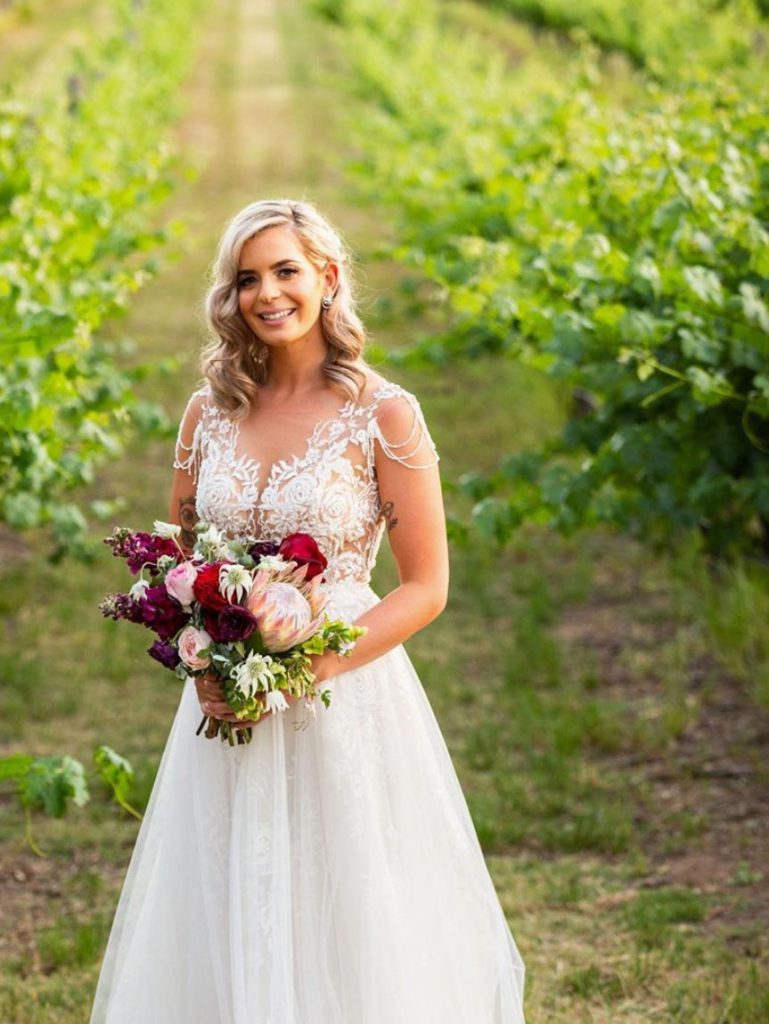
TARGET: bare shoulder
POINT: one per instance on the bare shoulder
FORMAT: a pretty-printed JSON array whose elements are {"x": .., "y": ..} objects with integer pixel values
[
  {"x": 187, "y": 439},
  {"x": 400, "y": 427},
  {"x": 374, "y": 381},
  {"x": 381, "y": 392},
  {"x": 195, "y": 405}
]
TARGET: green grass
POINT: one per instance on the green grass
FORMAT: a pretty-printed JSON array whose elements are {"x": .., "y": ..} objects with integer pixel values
[
  {"x": 568, "y": 675},
  {"x": 71, "y": 943},
  {"x": 652, "y": 913}
]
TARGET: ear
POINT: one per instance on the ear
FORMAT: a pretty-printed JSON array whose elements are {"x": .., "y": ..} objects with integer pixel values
[{"x": 331, "y": 277}]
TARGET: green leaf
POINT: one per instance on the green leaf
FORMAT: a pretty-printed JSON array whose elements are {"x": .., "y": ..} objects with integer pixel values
[
  {"x": 705, "y": 284},
  {"x": 15, "y": 766},
  {"x": 51, "y": 782},
  {"x": 115, "y": 770},
  {"x": 754, "y": 307}
]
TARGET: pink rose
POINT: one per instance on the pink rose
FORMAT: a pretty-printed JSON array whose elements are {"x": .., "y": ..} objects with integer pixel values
[
  {"x": 191, "y": 642},
  {"x": 179, "y": 583}
]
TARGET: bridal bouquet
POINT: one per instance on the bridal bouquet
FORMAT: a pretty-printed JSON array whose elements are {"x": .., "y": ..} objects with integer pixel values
[{"x": 251, "y": 613}]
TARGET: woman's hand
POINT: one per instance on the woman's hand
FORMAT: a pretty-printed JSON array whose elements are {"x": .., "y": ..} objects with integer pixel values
[
  {"x": 210, "y": 695},
  {"x": 320, "y": 667},
  {"x": 214, "y": 705}
]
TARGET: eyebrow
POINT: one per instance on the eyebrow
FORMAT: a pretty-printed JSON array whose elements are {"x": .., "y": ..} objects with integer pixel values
[{"x": 273, "y": 266}]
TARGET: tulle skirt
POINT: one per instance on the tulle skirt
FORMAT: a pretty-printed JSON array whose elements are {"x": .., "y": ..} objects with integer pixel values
[{"x": 326, "y": 873}]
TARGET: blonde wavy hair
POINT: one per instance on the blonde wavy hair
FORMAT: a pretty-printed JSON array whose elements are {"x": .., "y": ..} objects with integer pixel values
[{"x": 234, "y": 362}]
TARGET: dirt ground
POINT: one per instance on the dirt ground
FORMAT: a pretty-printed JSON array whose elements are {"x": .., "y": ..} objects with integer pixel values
[{"x": 712, "y": 776}]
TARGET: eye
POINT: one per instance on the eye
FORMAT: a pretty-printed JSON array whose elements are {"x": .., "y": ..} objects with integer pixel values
[
  {"x": 290, "y": 271},
  {"x": 243, "y": 282}
]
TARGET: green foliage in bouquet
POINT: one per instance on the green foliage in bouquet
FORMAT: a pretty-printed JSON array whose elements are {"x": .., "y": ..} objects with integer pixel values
[
  {"x": 82, "y": 172},
  {"x": 623, "y": 252},
  {"x": 247, "y": 670}
]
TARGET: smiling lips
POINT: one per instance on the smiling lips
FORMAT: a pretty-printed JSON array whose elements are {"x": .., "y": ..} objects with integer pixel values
[{"x": 276, "y": 317}]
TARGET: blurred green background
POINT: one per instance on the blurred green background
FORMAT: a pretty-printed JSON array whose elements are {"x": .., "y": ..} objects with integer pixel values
[{"x": 560, "y": 213}]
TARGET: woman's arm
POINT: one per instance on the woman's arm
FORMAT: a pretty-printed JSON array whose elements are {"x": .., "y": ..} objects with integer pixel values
[
  {"x": 412, "y": 503},
  {"x": 184, "y": 482},
  {"x": 182, "y": 508}
]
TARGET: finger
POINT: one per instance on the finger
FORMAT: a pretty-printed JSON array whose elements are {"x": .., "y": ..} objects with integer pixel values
[
  {"x": 211, "y": 691},
  {"x": 217, "y": 708},
  {"x": 228, "y": 716},
  {"x": 245, "y": 723}
]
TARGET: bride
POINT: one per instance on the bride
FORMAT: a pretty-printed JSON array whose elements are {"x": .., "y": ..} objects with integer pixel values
[{"x": 328, "y": 872}]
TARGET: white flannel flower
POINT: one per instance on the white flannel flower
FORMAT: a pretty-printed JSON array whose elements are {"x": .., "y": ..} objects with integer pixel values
[
  {"x": 212, "y": 542},
  {"x": 235, "y": 582},
  {"x": 255, "y": 673},
  {"x": 211, "y": 535},
  {"x": 166, "y": 530},
  {"x": 138, "y": 590},
  {"x": 272, "y": 563},
  {"x": 276, "y": 701}
]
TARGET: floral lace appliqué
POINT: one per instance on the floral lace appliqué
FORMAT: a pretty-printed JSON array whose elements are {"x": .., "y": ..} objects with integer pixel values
[{"x": 329, "y": 491}]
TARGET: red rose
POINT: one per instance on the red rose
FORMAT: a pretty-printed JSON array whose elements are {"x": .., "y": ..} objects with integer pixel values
[
  {"x": 206, "y": 588},
  {"x": 302, "y": 549}
]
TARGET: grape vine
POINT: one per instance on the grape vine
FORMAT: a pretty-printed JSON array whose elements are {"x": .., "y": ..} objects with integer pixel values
[
  {"x": 83, "y": 172},
  {"x": 621, "y": 248}
]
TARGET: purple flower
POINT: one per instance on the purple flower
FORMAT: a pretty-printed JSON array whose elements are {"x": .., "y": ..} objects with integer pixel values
[
  {"x": 121, "y": 606},
  {"x": 232, "y": 623},
  {"x": 140, "y": 549},
  {"x": 161, "y": 613},
  {"x": 165, "y": 653}
]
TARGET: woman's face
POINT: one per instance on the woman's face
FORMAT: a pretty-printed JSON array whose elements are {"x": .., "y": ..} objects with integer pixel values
[{"x": 279, "y": 289}]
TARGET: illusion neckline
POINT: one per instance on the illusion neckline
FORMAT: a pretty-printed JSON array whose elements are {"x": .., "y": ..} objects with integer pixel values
[{"x": 293, "y": 461}]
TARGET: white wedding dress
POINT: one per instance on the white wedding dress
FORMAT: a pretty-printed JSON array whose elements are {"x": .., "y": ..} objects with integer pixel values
[{"x": 328, "y": 872}]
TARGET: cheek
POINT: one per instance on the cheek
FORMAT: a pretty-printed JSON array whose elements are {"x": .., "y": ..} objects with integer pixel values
[
  {"x": 243, "y": 303},
  {"x": 309, "y": 295}
]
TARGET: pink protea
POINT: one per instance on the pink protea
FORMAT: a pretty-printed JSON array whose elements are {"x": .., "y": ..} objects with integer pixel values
[{"x": 287, "y": 608}]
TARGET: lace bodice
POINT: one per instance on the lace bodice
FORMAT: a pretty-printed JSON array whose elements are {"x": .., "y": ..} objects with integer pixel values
[{"x": 329, "y": 491}]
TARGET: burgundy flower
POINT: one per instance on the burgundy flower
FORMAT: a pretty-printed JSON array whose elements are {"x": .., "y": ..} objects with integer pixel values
[
  {"x": 165, "y": 653},
  {"x": 206, "y": 588},
  {"x": 263, "y": 547},
  {"x": 161, "y": 613},
  {"x": 121, "y": 606},
  {"x": 232, "y": 623},
  {"x": 140, "y": 549},
  {"x": 302, "y": 549}
]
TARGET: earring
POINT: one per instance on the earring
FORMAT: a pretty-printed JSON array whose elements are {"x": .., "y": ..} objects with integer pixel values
[{"x": 326, "y": 301}]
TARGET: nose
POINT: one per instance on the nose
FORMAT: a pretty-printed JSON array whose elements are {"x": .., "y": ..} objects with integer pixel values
[{"x": 268, "y": 289}]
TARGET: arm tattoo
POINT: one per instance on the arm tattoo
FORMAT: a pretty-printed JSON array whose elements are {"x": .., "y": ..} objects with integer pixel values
[
  {"x": 388, "y": 510},
  {"x": 187, "y": 518}
]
